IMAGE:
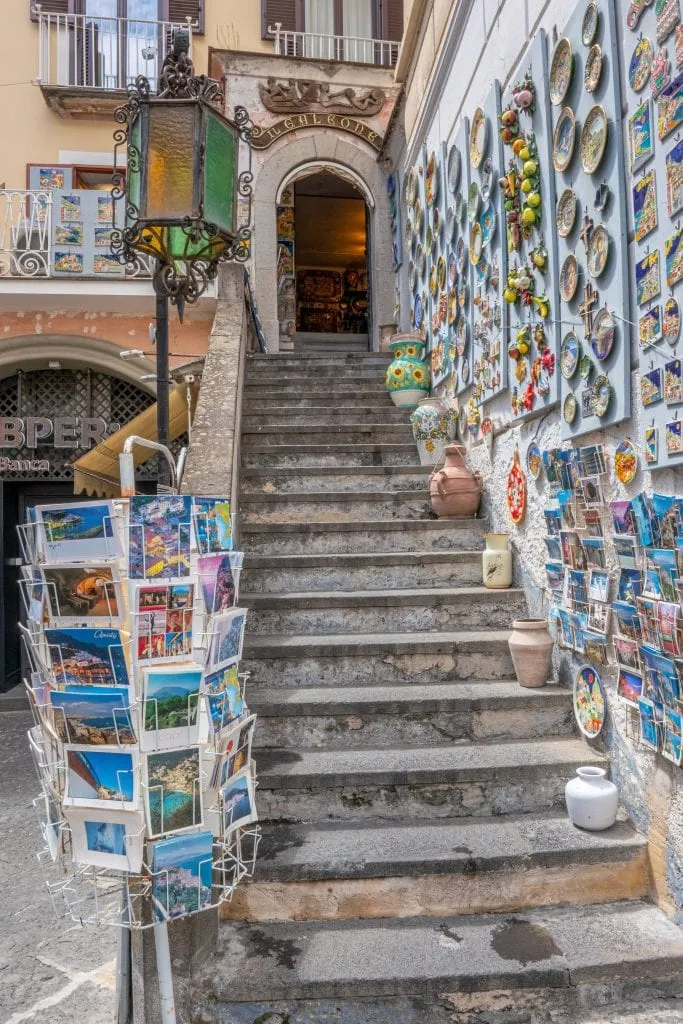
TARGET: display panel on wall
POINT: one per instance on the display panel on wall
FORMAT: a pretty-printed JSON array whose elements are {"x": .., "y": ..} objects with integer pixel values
[
  {"x": 415, "y": 236},
  {"x": 591, "y": 223},
  {"x": 487, "y": 251},
  {"x": 530, "y": 289},
  {"x": 459, "y": 268},
  {"x": 653, "y": 63},
  {"x": 435, "y": 247}
]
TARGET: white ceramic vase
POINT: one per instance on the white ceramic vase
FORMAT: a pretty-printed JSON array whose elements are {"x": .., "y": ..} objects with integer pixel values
[
  {"x": 431, "y": 429},
  {"x": 592, "y": 800},
  {"x": 497, "y": 561}
]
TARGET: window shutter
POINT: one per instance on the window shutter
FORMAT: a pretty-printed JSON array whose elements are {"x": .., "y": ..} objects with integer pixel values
[
  {"x": 287, "y": 12},
  {"x": 179, "y": 10},
  {"x": 392, "y": 27},
  {"x": 51, "y": 7}
]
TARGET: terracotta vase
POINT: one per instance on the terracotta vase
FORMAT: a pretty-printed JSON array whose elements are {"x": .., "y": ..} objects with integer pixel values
[
  {"x": 407, "y": 378},
  {"x": 531, "y": 647},
  {"x": 497, "y": 561},
  {"x": 592, "y": 800},
  {"x": 455, "y": 491}
]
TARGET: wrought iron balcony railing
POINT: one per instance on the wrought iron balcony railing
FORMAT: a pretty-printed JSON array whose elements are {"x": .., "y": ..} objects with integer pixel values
[{"x": 352, "y": 49}]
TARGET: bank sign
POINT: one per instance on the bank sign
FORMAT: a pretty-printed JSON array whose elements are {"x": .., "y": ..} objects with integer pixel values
[{"x": 62, "y": 432}]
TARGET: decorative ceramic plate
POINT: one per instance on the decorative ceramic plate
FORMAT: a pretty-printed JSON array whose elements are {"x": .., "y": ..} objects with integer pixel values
[
  {"x": 570, "y": 352},
  {"x": 437, "y": 220},
  {"x": 593, "y": 139},
  {"x": 533, "y": 461},
  {"x": 561, "y": 70},
  {"x": 418, "y": 217},
  {"x": 564, "y": 138},
  {"x": 473, "y": 201},
  {"x": 412, "y": 275},
  {"x": 420, "y": 261},
  {"x": 462, "y": 293},
  {"x": 603, "y": 335},
  {"x": 487, "y": 220},
  {"x": 409, "y": 233},
  {"x": 478, "y": 137},
  {"x": 452, "y": 269},
  {"x": 589, "y": 702},
  {"x": 452, "y": 306},
  {"x": 516, "y": 491},
  {"x": 589, "y": 25},
  {"x": 411, "y": 187},
  {"x": 671, "y": 325},
  {"x": 483, "y": 270},
  {"x": 429, "y": 239},
  {"x": 417, "y": 318},
  {"x": 435, "y": 247},
  {"x": 569, "y": 277},
  {"x": 487, "y": 179},
  {"x": 433, "y": 282},
  {"x": 565, "y": 215},
  {"x": 462, "y": 422},
  {"x": 460, "y": 255},
  {"x": 476, "y": 244},
  {"x": 441, "y": 271},
  {"x": 465, "y": 371},
  {"x": 569, "y": 409},
  {"x": 450, "y": 224},
  {"x": 598, "y": 251},
  {"x": 585, "y": 366},
  {"x": 641, "y": 64},
  {"x": 461, "y": 335},
  {"x": 431, "y": 181},
  {"x": 601, "y": 395},
  {"x": 593, "y": 69},
  {"x": 453, "y": 168},
  {"x": 459, "y": 207},
  {"x": 625, "y": 461}
]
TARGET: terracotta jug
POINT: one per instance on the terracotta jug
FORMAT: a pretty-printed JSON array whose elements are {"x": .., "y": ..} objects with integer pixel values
[
  {"x": 531, "y": 647},
  {"x": 455, "y": 490}
]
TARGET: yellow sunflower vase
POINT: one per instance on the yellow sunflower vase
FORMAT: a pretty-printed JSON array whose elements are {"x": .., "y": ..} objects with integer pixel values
[{"x": 408, "y": 377}]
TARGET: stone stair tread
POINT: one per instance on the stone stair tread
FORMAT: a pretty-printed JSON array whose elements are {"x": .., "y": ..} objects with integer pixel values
[
  {"x": 288, "y": 471},
  {"x": 362, "y": 525},
  {"x": 385, "y": 598},
  {"x": 464, "y": 762},
  {"x": 430, "y": 698},
  {"x": 379, "y": 849},
  {"x": 552, "y": 948},
  {"x": 290, "y": 497},
  {"x": 354, "y": 559},
  {"x": 339, "y": 643},
  {"x": 330, "y": 428}
]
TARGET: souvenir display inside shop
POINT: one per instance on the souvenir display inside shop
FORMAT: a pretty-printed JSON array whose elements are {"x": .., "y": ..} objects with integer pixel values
[
  {"x": 142, "y": 735},
  {"x": 653, "y": 62}
]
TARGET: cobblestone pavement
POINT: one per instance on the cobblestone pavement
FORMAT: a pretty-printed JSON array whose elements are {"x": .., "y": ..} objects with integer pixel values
[{"x": 51, "y": 972}]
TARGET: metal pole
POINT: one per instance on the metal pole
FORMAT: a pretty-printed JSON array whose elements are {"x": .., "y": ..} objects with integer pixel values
[
  {"x": 163, "y": 952},
  {"x": 163, "y": 374}
]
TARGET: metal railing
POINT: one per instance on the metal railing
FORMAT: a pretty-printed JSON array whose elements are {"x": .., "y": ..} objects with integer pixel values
[
  {"x": 316, "y": 46},
  {"x": 87, "y": 52}
]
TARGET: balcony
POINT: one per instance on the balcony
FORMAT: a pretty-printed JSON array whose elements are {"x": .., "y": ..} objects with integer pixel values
[
  {"x": 85, "y": 64},
  {"x": 349, "y": 49}
]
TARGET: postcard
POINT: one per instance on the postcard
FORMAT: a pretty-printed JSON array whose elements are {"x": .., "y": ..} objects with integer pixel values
[
  {"x": 66, "y": 262},
  {"x": 572, "y": 550},
  {"x": 106, "y": 838},
  {"x": 567, "y": 634},
  {"x": 93, "y": 716},
  {"x": 555, "y": 574},
  {"x": 663, "y": 560},
  {"x": 33, "y": 591},
  {"x": 89, "y": 594},
  {"x": 630, "y": 685},
  {"x": 212, "y": 521},
  {"x": 648, "y": 282},
  {"x": 182, "y": 873},
  {"x": 651, "y": 444},
  {"x": 593, "y": 522},
  {"x": 625, "y": 550},
  {"x": 579, "y": 621},
  {"x": 666, "y": 509},
  {"x": 594, "y": 551},
  {"x": 643, "y": 515},
  {"x": 173, "y": 790},
  {"x": 598, "y": 587},
  {"x": 227, "y": 637},
  {"x": 553, "y": 518},
  {"x": 219, "y": 576},
  {"x": 670, "y": 108},
  {"x": 554, "y": 548},
  {"x": 223, "y": 698},
  {"x": 599, "y": 616},
  {"x": 595, "y": 647},
  {"x": 88, "y": 656},
  {"x": 592, "y": 491},
  {"x": 670, "y": 627},
  {"x": 630, "y": 585},
  {"x": 236, "y": 750},
  {"x": 103, "y": 238},
  {"x": 170, "y": 712},
  {"x": 69, "y": 234},
  {"x": 78, "y": 532},
  {"x": 622, "y": 517},
  {"x": 649, "y": 620},
  {"x": 101, "y": 778},
  {"x": 237, "y": 801},
  {"x": 652, "y": 586},
  {"x": 628, "y": 619},
  {"x": 159, "y": 536},
  {"x": 50, "y": 178},
  {"x": 105, "y": 210},
  {"x": 673, "y": 392},
  {"x": 627, "y": 653},
  {"x": 671, "y": 747},
  {"x": 649, "y": 732},
  {"x": 650, "y": 327},
  {"x": 107, "y": 264},
  {"x": 163, "y": 620}
]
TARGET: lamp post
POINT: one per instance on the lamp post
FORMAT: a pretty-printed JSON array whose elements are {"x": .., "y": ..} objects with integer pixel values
[{"x": 186, "y": 203}]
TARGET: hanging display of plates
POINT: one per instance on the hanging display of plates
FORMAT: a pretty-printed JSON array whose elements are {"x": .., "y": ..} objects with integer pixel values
[
  {"x": 516, "y": 491},
  {"x": 441, "y": 271},
  {"x": 641, "y": 64},
  {"x": 453, "y": 168},
  {"x": 569, "y": 277},
  {"x": 533, "y": 461},
  {"x": 411, "y": 187},
  {"x": 589, "y": 702},
  {"x": 487, "y": 220},
  {"x": 420, "y": 262},
  {"x": 601, "y": 395},
  {"x": 593, "y": 68},
  {"x": 452, "y": 306},
  {"x": 461, "y": 335},
  {"x": 561, "y": 70},
  {"x": 478, "y": 138},
  {"x": 564, "y": 138},
  {"x": 570, "y": 353},
  {"x": 418, "y": 218},
  {"x": 589, "y": 25},
  {"x": 604, "y": 330},
  {"x": 569, "y": 409},
  {"x": 465, "y": 371},
  {"x": 625, "y": 461},
  {"x": 431, "y": 181},
  {"x": 593, "y": 139},
  {"x": 433, "y": 281},
  {"x": 461, "y": 255},
  {"x": 476, "y": 244},
  {"x": 671, "y": 325},
  {"x": 473, "y": 201},
  {"x": 412, "y": 275},
  {"x": 565, "y": 215},
  {"x": 597, "y": 252}
]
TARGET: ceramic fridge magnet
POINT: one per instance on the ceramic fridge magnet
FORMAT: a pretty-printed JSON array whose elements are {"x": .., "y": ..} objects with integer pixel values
[
  {"x": 641, "y": 142},
  {"x": 564, "y": 139},
  {"x": 604, "y": 331},
  {"x": 651, "y": 387},
  {"x": 644, "y": 206},
  {"x": 569, "y": 277},
  {"x": 673, "y": 393},
  {"x": 597, "y": 251},
  {"x": 593, "y": 68},
  {"x": 671, "y": 323},
  {"x": 640, "y": 65},
  {"x": 673, "y": 438},
  {"x": 673, "y": 255},
  {"x": 516, "y": 491},
  {"x": 590, "y": 23},
  {"x": 533, "y": 460},
  {"x": 561, "y": 71},
  {"x": 625, "y": 461},
  {"x": 636, "y": 9},
  {"x": 674, "y": 179},
  {"x": 478, "y": 138},
  {"x": 650, "y": 327},
  {"x": 593, "y": 139},
  {"x": 651, "y": 445},
  {"x": 670, "y": 108},
  {"x": 678, "y": 45},
  {"x": 565, "y": 215},
  {"x": 660, "y": 78},
  {"x": 668, "y": 14},
  {"x": 589, "y": 702},
  {"x": 648, "y": 283}
]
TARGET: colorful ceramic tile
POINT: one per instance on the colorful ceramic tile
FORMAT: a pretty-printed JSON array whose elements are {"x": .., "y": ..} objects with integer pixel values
[
  {"x": 668, "y": 15},
  {"x": 107, "y": 265},
  {"x": 670, "y": 108},
  {"x": 69, "y": 209},
  {"x": 69, "y": 234},
  {"x": 673, "y": 254},
  {"x": 50, "y": 178},
  {"x": 671, "y": 325},
  {"x": 674, "y": 179},
  {"x": 661, "y": 73},
  {"x": 673, "y": 389},
  {"x": 644, "y": 206},
  {"x": 641, "y": 143},
  {"x": 68, "y": 262},
  {"x": 648, "y": 283},
  {"x": 105, "y": 210},
  {"x": 103, "y": 238},
  {"x": 650, "y": 327},
  {"x": 673, "y": 437},
  {"x": 640, "y": 64},
  {"x": 651, "y": 444},
  {"x": 651, "y": 387}
]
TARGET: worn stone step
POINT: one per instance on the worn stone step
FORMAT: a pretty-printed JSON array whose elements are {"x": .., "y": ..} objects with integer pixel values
[
  {"x": 316, "y": 390},
  {"x": 284, "y": 480},
  {"x": 337, "y": 506},
  {"x": 488, "y": 865},
  {"x": 290, "y": 456},
  {"x": 306, "y": 372},
  {"x": 298, "y": 399},
  {"x": 550, "y": 948},
  {"x": 270, "y": 574},
  {"x": 337, "y": 433},
  {"x": 370, "y": 535},
  {"x": 383, "y": 611},
  {"x": 383, "y": 412},
  {"x": 316, "y": 357},
  {"x": 376, "y": 716}
]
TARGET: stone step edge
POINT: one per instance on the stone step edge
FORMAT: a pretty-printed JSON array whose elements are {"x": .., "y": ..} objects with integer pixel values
[
  {"x": 385, "y": 598},
  {"x": 274, "y": 498},
  {"x": 353, "y": 560},
  {"x": 257, "y": 473},
  {"x": 363, "y": 525},
  {"x": 358, "y": 448},
  {"x": 335, "y": 644},
  {"x": 328, "y": 428}
]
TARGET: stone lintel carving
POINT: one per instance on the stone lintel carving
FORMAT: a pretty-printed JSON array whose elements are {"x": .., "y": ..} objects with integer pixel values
[{"x": 294, "y": 95}]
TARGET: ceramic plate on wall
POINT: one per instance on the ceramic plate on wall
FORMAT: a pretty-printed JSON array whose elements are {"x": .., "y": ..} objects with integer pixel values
[
  {"x": 418, "y": 217},
  {"x": 533, "y": 461},
  {"x": 564, "y": 139},
  {"x": 602, "y": 338},
  {"x": 601, "y": 395},
  {"x": 453, "y": 168},
  {"x": 417, "y": 317},
  {"x": 412, "y": 275},
  {"x": 409, "y": 233},
  {"x": 420, "y": 261},
  {"x": 625, "y": 461},
  {"x": 433, "y": 282},
  {"x": 593, "y": 69},
  {"x": 569, "y": 277},
  {"x": 459, "y": 207},
  {"x": 570, "y": 353},
  {"x": 452, "y": 306},
  {"x": 487, "y": 220},
  {"x": 431, "y": 181},
  {"x": 465, "y": 371},
  {"x": 411, "y": 187},
  {"x": 452, "y": 269},
  {"x": 561, "y": 70},
  {"x": 451, "y": 227},
  {"x": 589, "y": 25},
  {"x": 589, "y": 702},
  {"x": 476, "y": 244},
  {"x": 478, "y": 137},
  {"x": 593, "y": 139},
  {"x": 641, "y": 64},
  {"x": 461, "y": 336},
  {"x": 441, "y": 271},
  {"x": 473, "y": 201},
  {"x": 569, "y": 409},
  {"x": 598, "y": 251},
  {"x": 461, "y": 255},
  {"x": 565, "y": 216}
]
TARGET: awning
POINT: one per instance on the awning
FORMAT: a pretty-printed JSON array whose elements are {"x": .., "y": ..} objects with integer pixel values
[{"x": 97, "y": 472}]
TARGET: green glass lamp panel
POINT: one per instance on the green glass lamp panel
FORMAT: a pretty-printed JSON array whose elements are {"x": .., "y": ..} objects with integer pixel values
[
  {"x": 181, "y": 247},
  {"x": 170, "y": 161},
  {"x": 134, "y": 176},
  {"x": 220, "y": 163}
]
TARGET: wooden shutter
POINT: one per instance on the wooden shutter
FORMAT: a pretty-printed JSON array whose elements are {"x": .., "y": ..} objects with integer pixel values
[
  {"x": 51, "y": 7},
  {"x": 287, "y": 12},
  {"x": 179, "y": 10},
  {"x": 392, "y": 19}
]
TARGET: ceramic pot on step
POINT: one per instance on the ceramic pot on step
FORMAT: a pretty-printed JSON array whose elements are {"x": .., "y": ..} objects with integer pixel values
[
  {"x": 455, "y": 491},
  {"x": 592, "y": 800},
  {"x": 431, "y": 428},
  {"x": 497, "y": 561},
  {"x": 408, "y": 378},
  {"x": 531, "y": 647}
]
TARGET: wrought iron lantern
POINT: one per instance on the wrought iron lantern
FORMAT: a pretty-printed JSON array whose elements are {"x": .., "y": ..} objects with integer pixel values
[{"x": 187, "y": 204}]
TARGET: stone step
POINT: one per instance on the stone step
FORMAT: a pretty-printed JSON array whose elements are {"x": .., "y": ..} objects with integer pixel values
[
  {"x": 284, "y": 480},
  {"x": 337, "y": 506},
  {"x": 488, "y": 865},
  {"x": 296, "y": 399},
  {"x": 268, "y": 574},
  {"x": 333, "y": 456},
  {"x": 338, "y": 433},
  {"x": 316, "y": 390},
  {"x": 341, "y": 339},
  {"x": 304, "y": 373},
  {"x": 403, "y": 783},
  {"x": 371, "y": 535},
  {"x": 377, "y": 716},
  {"x": 318, "y": 357},
  {"x": 426, "y": 965},
  {"x": 383, "y": 412},
  {"x": 383, "y": 611}
]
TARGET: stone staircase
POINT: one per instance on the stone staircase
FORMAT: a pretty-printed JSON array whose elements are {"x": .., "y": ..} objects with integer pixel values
[
  {"x": 416, "y": 849},
  {"x": 323, "y": 343}
]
